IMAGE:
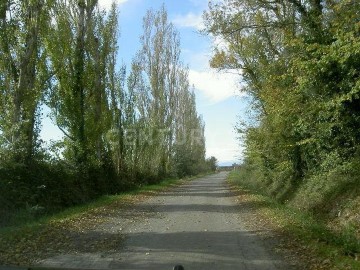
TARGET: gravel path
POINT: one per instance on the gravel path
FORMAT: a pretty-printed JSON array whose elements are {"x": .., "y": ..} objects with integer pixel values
[{"x": 199, "y": 225}]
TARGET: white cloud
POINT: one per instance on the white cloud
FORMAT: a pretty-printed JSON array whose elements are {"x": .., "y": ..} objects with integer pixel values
[
  {"x": 215, "y": 86},
  {"x": 189, "y": 20},
  {"x": 106, "y": 4}
]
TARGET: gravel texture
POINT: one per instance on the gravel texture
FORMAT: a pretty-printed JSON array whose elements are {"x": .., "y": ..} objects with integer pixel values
[{"x": 200, "y": 224}]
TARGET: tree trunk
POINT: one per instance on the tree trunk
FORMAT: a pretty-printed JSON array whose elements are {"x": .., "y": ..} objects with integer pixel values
[
  {"x": 78, "y": 87},
  {"x": 25, "y": 95},
  {"x": 98, "y": 100}
]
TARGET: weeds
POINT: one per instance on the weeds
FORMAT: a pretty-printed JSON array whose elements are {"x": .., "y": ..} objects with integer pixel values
[
  {"x": 307, "y": 228},
  {"x": 25, "y": 218}
]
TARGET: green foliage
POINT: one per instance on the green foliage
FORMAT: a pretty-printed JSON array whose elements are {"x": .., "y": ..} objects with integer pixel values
[
  {"x": 301, "y": 66},
  {"x": 212, "y": 163},
  {"x": 120, "y": 130},
  {"x": 23, "y": 76},
  {"x": 168, "y": 130},
  {"x": 311, "y": 234},
  {"x": 300, "y": 63}
]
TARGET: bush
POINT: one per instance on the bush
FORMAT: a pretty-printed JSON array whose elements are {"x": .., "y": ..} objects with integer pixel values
[{"x": 320, "y": 189}]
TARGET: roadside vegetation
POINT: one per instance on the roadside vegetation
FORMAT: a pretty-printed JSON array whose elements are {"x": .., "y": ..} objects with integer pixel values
[
  {"x": 306, "y": 235},
  {"x": 31, "y": 238},
  {"x": 300, "y": 66},
  {"x": 123, "y": 127}
]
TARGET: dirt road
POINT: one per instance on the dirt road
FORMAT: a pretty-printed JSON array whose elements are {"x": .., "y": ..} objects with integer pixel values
[{"x": 198, "y": 224}]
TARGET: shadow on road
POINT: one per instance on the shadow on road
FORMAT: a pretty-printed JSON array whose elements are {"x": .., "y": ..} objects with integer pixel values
[
  {"x": 212, "y": 248},
  {"x": 198, "y": 225},
  {"x": 218, "y": 208}
]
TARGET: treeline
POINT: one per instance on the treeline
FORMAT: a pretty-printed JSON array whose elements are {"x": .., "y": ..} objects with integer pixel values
[
  {"x": 122, "y": 126},
  {"x": 300, "y": 63}
]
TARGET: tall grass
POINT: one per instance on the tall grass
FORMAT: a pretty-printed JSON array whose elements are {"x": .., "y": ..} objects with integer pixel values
[{"x": 341, "y": 247}]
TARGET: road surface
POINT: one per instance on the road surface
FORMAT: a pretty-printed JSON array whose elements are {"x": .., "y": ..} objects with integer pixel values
[{"x": 198, "y": 224}]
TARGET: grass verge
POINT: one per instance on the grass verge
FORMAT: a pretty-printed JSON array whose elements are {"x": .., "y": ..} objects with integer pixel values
[
  {"x": 304, "y": 234},
  {"x": 24, "y": 221},
  {"x": 48, "y": 235}
]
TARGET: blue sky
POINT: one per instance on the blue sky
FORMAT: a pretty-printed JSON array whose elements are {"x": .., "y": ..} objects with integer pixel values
[{"x": 216, "y": 94}]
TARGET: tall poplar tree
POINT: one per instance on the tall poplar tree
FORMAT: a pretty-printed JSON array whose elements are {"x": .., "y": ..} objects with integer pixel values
[
  {"x": 82, "y": 49},
  {"x": 23, "y": 75},
  {"x": 163, "y": 97}
]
